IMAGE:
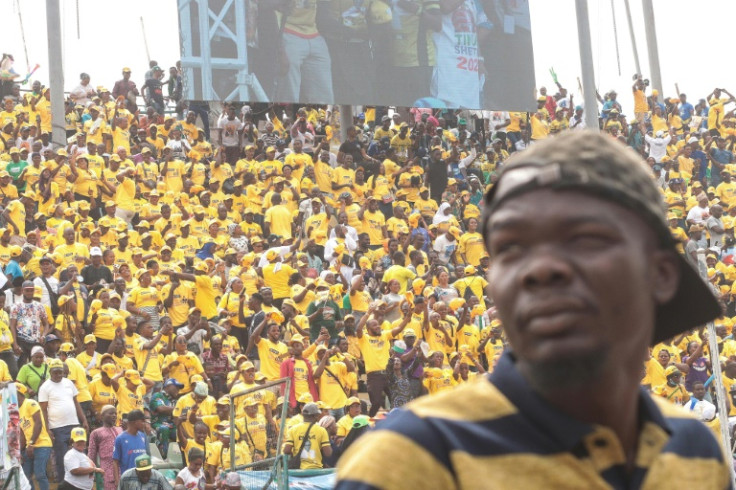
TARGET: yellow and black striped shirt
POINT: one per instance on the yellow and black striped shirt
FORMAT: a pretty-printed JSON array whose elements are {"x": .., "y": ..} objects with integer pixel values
[{"x": 501, "y": 434}]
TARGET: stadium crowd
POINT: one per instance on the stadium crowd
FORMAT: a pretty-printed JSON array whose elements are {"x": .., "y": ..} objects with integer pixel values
[{"x": 154, "y": 269}]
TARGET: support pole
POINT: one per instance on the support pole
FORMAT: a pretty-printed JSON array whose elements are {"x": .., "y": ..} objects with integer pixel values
[
  {"x": 586, "y": 65},
  {"x": 346, "y": 120},
  {"x": 56, "y": 73},
  {"x": 717, "y": 377},
  {"x": 145, "y": 40},
  {"x": 633, "y": 37},
  {"x": 654, "y": 73}
]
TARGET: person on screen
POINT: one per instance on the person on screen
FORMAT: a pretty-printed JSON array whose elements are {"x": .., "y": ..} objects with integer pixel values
[
  {"x": 458, "y": 76},
  {"x": 412, "y": 51},
  {"x": 306, "y": 68}
]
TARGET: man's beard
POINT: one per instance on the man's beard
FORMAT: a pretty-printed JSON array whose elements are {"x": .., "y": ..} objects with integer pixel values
[{"x": 567, "y": 373}]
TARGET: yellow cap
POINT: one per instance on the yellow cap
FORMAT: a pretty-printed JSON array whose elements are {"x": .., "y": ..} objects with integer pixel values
[{"x": 78, "y": 434}]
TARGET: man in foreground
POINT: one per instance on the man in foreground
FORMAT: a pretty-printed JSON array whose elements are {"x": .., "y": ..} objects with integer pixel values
[{"x": 585, "y": 276}]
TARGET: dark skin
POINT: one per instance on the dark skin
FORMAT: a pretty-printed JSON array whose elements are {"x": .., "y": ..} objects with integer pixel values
[
  {"x": 37, "y": 426},
  {"x": 563, "y": 265},
  {"x": 56, "y": 375}
]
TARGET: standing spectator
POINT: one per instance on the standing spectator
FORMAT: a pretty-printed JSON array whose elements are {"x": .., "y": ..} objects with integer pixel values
[
  {"x": 125, "y": 88},
  {"x": 216, "y": 365},
  {"x": 153, "y": 92},
  {"x": 102, "y": 444},
  {"x": 129, "y": 445},
  {"x": 299, "y": 369},
  {"x": 231, "y": 134},
  {"x": 176, "y": 91},
  {"x": 715, "y": 227},
  {"x": 28, "y": 322},
  {"x": 657, "y": 144},
  {"x": 61, "y": 410},
  {"x": 374, "y": 347},
  {"x": 79, "y": 469},
  {"x": 49, "y": 283},
  {"x": 35, "y": 437}
]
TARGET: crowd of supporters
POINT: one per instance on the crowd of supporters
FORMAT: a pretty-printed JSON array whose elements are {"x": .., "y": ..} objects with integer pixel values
[{"x": 159, "y": 262}]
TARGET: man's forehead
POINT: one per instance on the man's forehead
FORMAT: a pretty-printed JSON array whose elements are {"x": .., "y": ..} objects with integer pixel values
[{"x": 567, "y": 208}]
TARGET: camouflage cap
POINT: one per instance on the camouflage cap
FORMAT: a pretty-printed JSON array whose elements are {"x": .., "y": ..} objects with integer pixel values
[{"x": 588, "y": 162}]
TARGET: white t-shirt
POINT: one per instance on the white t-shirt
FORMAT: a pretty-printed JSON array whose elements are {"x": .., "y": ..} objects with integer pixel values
[
  {"x": 497, "y": 118},
  {"x": 191, "y": 481},
  {"x": 657, "y": 146},
  {"x": 74, "y": 459},
  {"x": 283, "y": 250},
  {"x": 53, "y": 284},
  {"x": 444, "y": 248},
  {"x": 698, "y": 215},
  {"x": 229, "y": 130},
  {"x": 60, "y": 398}
]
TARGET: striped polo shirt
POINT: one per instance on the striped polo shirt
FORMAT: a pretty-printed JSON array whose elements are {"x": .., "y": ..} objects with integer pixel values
[{"x": 496, "y": 432}]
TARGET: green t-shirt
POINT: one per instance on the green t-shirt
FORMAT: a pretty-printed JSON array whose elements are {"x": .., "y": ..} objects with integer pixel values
[
  {"x": 15, "y": 169},
  {"x": 32, "y": 376},
  {"x": 327, "y": 318}
]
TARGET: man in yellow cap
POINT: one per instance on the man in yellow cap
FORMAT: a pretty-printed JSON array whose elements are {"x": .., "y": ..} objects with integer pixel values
[{"x": 672, "y": 390}]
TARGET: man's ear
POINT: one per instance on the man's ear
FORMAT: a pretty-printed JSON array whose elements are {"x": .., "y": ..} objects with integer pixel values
[{"x": 665, "y": 275}]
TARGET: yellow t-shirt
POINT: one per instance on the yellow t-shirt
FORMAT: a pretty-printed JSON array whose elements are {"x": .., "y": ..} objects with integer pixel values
[
  {"x": 189, "y": 364},
  {"x": 301, "y": 385},
  {"x": 105, "y": 324},
  {"x": 375, "y": 350},
  {"x": 330, "y": 391},
  {"x": 26, "y": 412},
  {"x": 219, "y": 456},
  {"x": 471, "y": 244},
  {"x": 78, "y": 376},
  {"x": 373, "y": 223},
  {"x": 311, "y": 455},
  {"x": 279, "y": 219},
  {"x": 129, "y": 400},
  {"x": 85, "y": 359},
  {"x": 153, "y": 368},
  {"x": 640, "y": 101},
  {"x": 254, "y": 432},
  {"x": 142, "y": 297},
  {"x": 206, "y": 296},
  {"x": 101, "y": 395},
  {"x": 401, "y": 274},
  {"x": 271, "y": 354},
  {"x": 207, "y": 407},
  {"x": 278, "y": 280}
]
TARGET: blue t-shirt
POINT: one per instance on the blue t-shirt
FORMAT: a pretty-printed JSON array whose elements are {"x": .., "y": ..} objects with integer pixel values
[
  {"x": 127, "y": 448},
  {"x": 686, "y": 111},
  {"x": 13, "y": 269}
]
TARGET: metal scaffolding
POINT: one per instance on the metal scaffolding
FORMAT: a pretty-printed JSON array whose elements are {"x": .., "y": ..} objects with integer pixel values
[{"x": 204, "y": 24}]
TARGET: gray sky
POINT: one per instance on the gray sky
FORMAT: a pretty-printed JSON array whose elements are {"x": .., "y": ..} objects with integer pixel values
[{"x": 111, "y": 37}]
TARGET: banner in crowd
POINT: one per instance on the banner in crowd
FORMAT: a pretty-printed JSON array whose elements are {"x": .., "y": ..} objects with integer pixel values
[
  {"x": 360, "y": 52},
  {"x": 9, "y": 428}
]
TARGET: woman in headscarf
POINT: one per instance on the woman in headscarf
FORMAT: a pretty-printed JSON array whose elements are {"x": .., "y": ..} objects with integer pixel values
[
  {"x": 34, "y": 372},
  {"x": 238, "y": 240},
  {"x": 444, "y": 218}
]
